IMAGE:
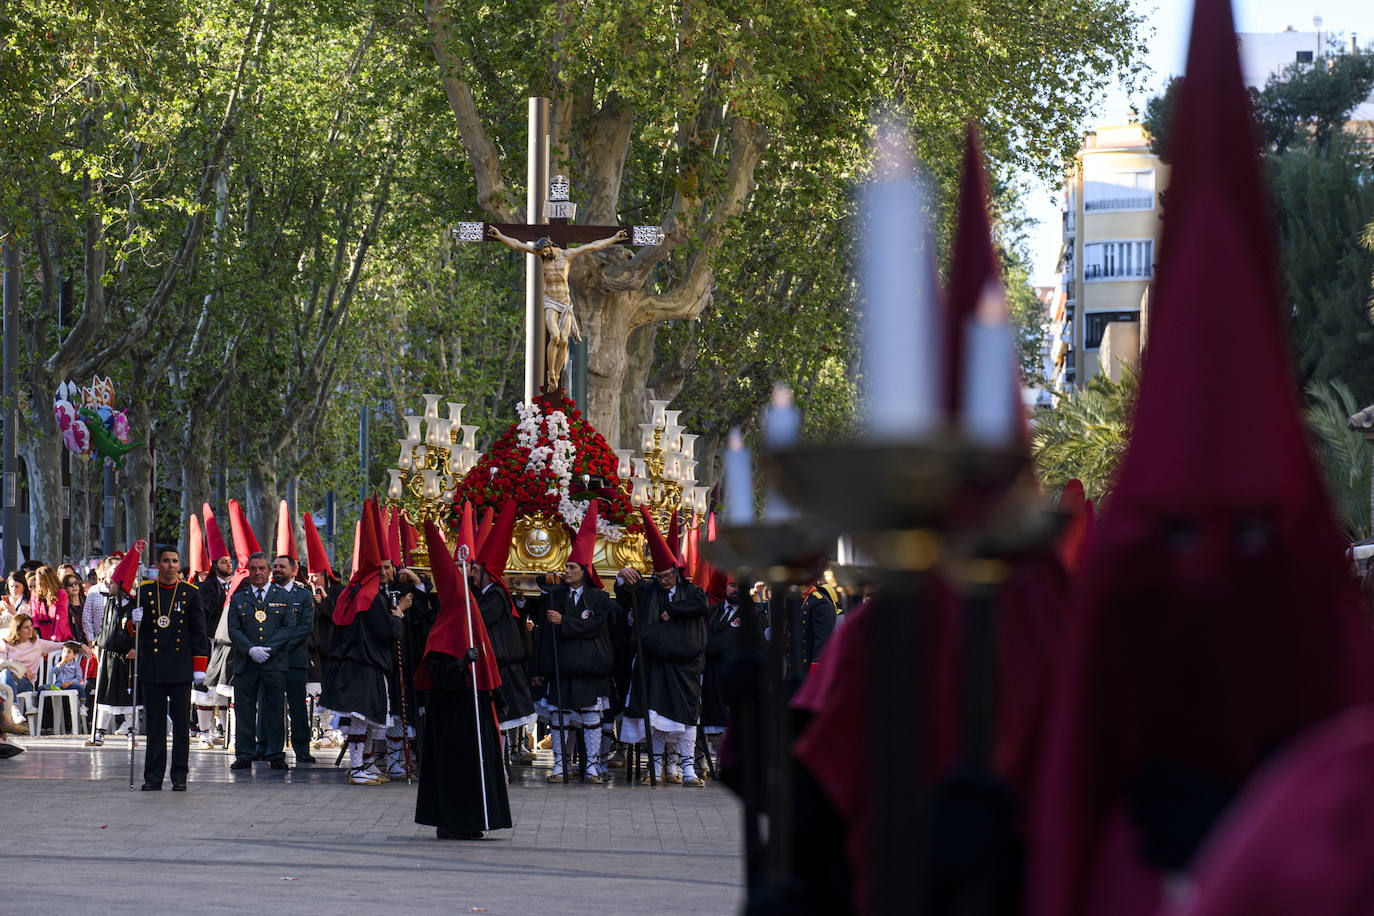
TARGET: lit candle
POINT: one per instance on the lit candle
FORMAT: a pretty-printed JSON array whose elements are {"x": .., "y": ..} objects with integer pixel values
[
  {"x": 658, "y": 407},
  {"x": 646, "y": 437},
  {"x": 455, "y": 413},
  {"x": 394, "y": 489},
  {"x": 689, "y": 445},
  {"x": 413, "y": 428},
  {"x": 407, "y": 459},
  {"x": 687, "y": 471},
  {"x": 431, "y": 407},
  {"x": 990, "y": 410},
  {"x": 781, "y": 419},
  {"x": 901, "y": 354},
  {"x": 622, "y": 467},
  {"x": 470, "y": 437},
  {"x": 739, "y": 482}
]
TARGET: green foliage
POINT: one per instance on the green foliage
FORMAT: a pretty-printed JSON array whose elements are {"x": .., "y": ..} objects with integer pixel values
[
  {"x": 1085, "y": 435},
  {"x": 1343, "y": 454}
]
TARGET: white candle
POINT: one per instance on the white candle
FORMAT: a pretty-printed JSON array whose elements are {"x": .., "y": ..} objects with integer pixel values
[
  {"x": 901, "y": 349},
  {"x": 781, "y": 420},
  {"x": 739, "y": 482},
  {"x": 990, "y": 410}
]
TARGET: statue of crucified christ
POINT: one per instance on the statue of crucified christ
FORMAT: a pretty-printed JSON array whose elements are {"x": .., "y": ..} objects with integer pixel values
[{"x": 559, "y": 320}]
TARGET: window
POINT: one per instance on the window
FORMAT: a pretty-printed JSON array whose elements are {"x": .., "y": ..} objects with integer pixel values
[
  {"x": 1095, "y": 325},
  {"x": 1128, "y": 259},
  {"x": 1119, "y": 191},
  {"x": 1304, "y": 57}
]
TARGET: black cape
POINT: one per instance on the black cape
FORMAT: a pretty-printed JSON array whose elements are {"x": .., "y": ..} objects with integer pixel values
[
  {"x": 725, "y": 645},
  {"x": 450, "y": 791},
  {"x": 113, "y": 684},
  {"x": 363, "y": 655},
  {"x": 674, "y": 651},
  {"x": 583, "y": 644},
  {"x": 513, "y": 698}
]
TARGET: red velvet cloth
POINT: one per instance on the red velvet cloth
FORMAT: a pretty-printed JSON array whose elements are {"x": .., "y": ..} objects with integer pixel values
[
  {"x": 366, "y": 580},
  {"x": 458, "y": 617},
  {"x": 214, "y": 540},
  {"x": 1216, "y": 618},
  {"x": 286, "y": 538},
  {"x": 1300, "y": 839},
  {"x": 316, "y": 560}
]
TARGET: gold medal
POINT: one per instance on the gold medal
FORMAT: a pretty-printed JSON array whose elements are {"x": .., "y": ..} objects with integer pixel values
[
  {"x": 164, "y": 621},
  {"x": 261, "y": 616}
]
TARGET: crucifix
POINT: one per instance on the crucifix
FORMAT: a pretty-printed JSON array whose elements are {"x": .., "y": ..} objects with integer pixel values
[{"x": 548, "y": 300}]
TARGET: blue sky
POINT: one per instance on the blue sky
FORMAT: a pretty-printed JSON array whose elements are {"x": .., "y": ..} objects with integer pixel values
[{"x": 1167, "y": 51}]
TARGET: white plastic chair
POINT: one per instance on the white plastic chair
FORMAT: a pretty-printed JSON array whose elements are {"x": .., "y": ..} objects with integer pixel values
[{"x": 70, "y": 720}]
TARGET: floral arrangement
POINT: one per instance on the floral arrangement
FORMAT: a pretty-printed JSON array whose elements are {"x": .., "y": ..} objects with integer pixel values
[{"x": 544, "y": 461}]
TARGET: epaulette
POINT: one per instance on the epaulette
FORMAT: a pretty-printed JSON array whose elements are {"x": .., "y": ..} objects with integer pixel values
[
  {"x": 189, "y": 584},
  {"x": 146, "y": 582}
]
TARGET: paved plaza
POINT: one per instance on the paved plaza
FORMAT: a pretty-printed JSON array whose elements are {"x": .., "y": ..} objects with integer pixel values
[{"x": 307, "y": 842}]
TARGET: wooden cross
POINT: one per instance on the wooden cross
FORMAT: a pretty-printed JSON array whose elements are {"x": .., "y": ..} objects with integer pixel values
[{"x": 559, "y": 212}]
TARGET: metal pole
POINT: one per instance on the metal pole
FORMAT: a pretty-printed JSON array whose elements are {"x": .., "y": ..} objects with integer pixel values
[
  {"x": 362, "y": 452},
  {"x": 11, "y": 369},
  {"x": 537, "y": 187},
  {"x": 133, "y": 706},
  {"x": 64, "y": 295},
  {"x": 108, "y": 508},
  {"x": 476, "y": 710},
  {"x": 329, "y": 520}
]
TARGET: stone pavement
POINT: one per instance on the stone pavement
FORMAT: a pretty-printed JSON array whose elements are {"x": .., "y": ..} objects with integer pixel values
[{"x": 307, "y": 842}]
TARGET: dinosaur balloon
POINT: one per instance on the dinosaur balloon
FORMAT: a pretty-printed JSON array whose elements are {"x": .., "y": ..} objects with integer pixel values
[{"x": 95, "y": 427}]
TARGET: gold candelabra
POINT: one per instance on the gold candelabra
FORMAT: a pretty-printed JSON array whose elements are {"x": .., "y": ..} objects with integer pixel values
[
  {"x": 663, "y": 477},
  {"x": 432, "y": 464}
]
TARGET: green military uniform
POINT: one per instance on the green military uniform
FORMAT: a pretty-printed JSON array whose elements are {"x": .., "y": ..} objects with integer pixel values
[
  {"x": 298, "y": 668},
  {"x": 259, "y": 687}
]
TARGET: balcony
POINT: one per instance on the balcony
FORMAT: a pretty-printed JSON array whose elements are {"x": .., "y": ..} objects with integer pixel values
[{"x": 1070, "y": 224}]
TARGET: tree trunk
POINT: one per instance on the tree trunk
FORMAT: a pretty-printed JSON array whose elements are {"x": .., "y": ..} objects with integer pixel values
[
  {"x": 604, "y": 316},
  {"x": 634, "y": 396},
  {"x": 42, "y": 454},
  {"x": 138, "y": 469},
  {"x": 81, "y": 506},
  {"x": 260, "y": 501},
  {"x": 194, "y": 454}
]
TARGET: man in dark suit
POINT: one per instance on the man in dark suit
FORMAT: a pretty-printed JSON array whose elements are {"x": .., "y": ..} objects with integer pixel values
[
  {"x": 298, "y": 652},
  {"x": 172, "y": 651},
  {"x": 262, "y": 621}
]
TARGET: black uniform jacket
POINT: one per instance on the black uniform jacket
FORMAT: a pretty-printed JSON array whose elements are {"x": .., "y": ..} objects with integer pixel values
[{"x": 172, "y": 633}]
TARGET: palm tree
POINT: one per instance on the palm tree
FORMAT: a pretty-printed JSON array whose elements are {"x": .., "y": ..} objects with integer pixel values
[
  {"x": 1085, "y": 435},
  {"x": 1343, "y": 453}
]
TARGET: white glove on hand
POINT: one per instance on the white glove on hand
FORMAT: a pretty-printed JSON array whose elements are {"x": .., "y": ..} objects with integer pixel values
[
  {"x": 137, "y": 615},
  {"x": 198, "y": 677},
  {"x": 259, "y": 654}
]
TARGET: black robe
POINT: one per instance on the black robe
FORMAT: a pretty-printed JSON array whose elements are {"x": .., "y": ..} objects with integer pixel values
[
  {"x": 725, "y": 645},
  {"x": 450, "y": 791},
  {"x": 513, "y": 698},
  {"x": 322, "y": 635},
  {"x": 364, "y": 652},
  {"x": 674, "y": 651},
  {"x": 113, "y": 684},
  {"x": 583, "y": 643}
]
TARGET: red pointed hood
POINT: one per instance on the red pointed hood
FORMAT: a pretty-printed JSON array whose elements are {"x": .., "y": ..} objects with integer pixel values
[
  {"x": 496, "y": 548},
  {"x": 484, "y": 529},
  {"x": 357, "y": 544},
  {"x": 198, "y": 559},
  {"x": 674, "y": 538},
  {"x": 409, "y": 538},
  {"x": 584, "y": 545},
  {"x": 659, "y": 553},
  {"x": 126, "y": 573},
  {"x": 214, "y": 540},
  {"x": 366, "y": 580},
  {"x": 286, "y": 538},
  {"x": 245, "y": 543},
  {"x": 466, "y": 538},
  {"x": 458, "y": 625},
  {"x": 1216, "y": 617},
  {"x": 316, "y": 559},
  {"x": 393, "y": 538}
]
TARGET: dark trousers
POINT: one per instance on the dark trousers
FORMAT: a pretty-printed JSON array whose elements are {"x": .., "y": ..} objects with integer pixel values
[
  {"x": 300, "y": 718},
  {"x": 159, "y": 701},
  {"x": 258, "y": 711}
]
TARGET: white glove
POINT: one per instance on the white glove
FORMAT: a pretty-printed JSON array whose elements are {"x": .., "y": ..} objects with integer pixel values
[
  {"x": 259, "y": 654},
  {"x": 198, "y": 677},
  {"x": 137, "y": 615}
]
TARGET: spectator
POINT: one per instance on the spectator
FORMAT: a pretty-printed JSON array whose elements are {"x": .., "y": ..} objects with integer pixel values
[
  {"x": 93, "y": 609},
  {"x": 21, "y": 655},
  {"x": 15, "y": 600},
  {"x": 48, "y": 605},
  {"x": 76, "y": 604},
  {"x": 67, "y": 674}
]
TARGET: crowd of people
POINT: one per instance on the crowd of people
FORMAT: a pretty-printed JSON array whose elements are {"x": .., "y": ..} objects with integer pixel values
[{"x": 253, "y": 655}]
